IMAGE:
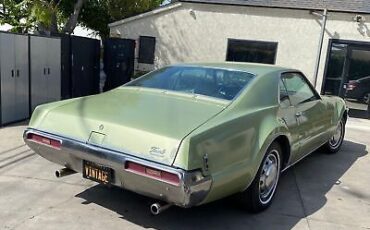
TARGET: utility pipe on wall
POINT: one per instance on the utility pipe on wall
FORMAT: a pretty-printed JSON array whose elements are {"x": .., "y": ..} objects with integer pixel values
[{"x": 324, "y": 18}]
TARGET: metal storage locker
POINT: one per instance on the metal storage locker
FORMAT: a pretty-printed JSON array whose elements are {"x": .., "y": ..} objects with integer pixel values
[
  {"x": 22, "y": 77},
  {"x": 80, "y": 66},
  {"x": 45, "y": 68},
  {"x": 38, "y": 58},
  {"x": 119, "y": 57},
  {"x": 14, "y": 77},
  {"x": 54, "y": 69},
  {"x": 85, "y": 66},
  {"x": 66, "y": 79}
]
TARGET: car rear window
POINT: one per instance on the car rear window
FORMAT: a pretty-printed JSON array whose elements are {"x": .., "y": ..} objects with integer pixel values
[{"x": 212, "y": 82}]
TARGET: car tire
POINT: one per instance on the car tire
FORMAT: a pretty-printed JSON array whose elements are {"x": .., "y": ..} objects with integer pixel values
[
  {"x": 260, "y": 193},
  {"x": 335, "y": 142}
]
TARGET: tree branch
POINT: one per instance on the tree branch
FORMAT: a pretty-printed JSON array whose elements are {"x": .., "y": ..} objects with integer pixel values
[{"x": 73, "y": 19}]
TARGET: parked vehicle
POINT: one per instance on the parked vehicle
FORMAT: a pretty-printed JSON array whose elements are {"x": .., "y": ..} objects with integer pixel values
[
  {"x": 190, "y": 134},
  {"x": 359, "y": 89}
]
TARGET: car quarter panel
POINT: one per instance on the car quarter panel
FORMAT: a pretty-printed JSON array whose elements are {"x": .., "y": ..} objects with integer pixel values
[
  {"x": 338, "y": 109},
  {"x": 230, "y": 147}
]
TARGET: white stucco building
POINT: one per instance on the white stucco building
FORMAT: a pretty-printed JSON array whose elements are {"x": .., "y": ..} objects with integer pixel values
[{"x": 281, "y": 32}]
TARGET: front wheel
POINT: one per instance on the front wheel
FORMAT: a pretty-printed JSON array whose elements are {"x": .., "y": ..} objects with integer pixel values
[
  {"x": 335, "y": 142},
  {"x": 260, "y": 193}
]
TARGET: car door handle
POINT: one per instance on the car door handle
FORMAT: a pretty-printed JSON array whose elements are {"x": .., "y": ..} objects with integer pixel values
[
  {"x": 12, "y": 72},
  {"x": 17, "y": 72},
  {"x": 298, "y": 114}
]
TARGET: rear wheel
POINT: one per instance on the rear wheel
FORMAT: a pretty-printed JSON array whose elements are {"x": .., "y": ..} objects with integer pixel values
[
  {"x": 335, "y": 142},
  {"x": 260, "y": 193}
]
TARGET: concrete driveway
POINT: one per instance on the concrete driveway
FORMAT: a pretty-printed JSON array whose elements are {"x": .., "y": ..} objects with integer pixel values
[{"x": 321, "y": 192}]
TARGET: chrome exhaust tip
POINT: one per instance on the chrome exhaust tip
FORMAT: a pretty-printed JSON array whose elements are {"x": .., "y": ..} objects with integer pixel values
[
  {"x": 157, "y": 208},
  {"x": 64, "y": 172}
]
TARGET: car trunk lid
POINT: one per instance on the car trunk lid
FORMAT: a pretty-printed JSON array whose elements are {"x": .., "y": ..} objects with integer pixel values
[{"x": 145, "y": 123}]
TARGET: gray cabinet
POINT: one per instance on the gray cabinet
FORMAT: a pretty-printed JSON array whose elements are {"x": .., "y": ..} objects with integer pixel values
[
  {"x": 45, "y": 58},
  {"x": 14, "y": 77}
]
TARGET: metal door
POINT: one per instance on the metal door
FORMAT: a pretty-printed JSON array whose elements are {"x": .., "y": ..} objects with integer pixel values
[
  {"x": 348, "y": 75},
  {"x": 357, "y": 82},
  {"x": 336, "y": 72},
  {"x": 312, "y": 116},
  {"x": 21, "y": 78},
  {"x": 7, "y": 60},
  {"x": 38, "y": 49},
  {"x": 53, "y": 69}
]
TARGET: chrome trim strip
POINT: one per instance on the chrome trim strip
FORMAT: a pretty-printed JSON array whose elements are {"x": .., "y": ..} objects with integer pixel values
[{"x": 115, "y": 153}]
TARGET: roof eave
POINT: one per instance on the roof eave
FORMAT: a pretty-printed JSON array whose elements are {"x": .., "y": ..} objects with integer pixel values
[
  {"x": 246, "y": 4},
  {"x": 146, "y": 14}
]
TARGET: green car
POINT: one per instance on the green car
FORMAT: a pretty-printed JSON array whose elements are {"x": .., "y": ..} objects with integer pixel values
[{"x": 190, "y": 134}]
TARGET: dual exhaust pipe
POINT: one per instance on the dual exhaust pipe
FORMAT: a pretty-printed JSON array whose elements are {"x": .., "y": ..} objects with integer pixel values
[
  {"x": 155, "y": 208},
  {"x": 64, "y": 172}
]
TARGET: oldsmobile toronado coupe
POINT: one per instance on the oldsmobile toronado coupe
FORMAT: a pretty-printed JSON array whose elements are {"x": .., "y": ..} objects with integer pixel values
[{"x": 190, "y": 134}]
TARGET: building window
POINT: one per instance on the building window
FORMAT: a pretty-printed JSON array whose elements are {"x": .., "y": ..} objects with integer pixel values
[
  {"x": 146, "y": 49},
  {"x": 251, "y": 51}
]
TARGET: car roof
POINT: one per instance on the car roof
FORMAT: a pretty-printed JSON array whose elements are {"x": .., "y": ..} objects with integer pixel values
[
  {"x": 254, "y": 68},
  {"x": 364, "y": 78}
]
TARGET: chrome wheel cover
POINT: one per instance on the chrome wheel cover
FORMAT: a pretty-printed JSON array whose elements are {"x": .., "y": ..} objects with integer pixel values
[
  {"x": 336, "y": 139},
  {"x": 269, "y": 176}
]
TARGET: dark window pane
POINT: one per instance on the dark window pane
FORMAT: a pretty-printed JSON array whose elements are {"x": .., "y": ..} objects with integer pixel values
[
  {"x": 298, "y": 89},
  {"x": 284, "y": 97},
  {"x": 358, "y": 79},
  {"x": 146, "y": 50},
  {"x": 336, "y": 63},
  {"x": 212, "y": 82},
  {"x": 251, "y": 51}
]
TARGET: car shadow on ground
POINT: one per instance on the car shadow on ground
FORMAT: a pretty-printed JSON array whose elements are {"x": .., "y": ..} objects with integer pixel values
[{"x": 301, "y": 192}]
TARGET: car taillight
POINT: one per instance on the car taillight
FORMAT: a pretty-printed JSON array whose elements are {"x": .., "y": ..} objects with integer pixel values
[
  {"x": 44, "y": 140},
  {"x": 161, "y": 175},
  {"x": 352, "y": 85}
]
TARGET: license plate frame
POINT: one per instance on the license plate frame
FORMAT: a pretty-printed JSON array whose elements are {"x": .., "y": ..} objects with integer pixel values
[{"x": 96, "y": 172}]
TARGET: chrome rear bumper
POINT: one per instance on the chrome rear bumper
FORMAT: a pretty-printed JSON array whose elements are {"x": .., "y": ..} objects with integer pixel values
[{"x": 191, "y": 191}]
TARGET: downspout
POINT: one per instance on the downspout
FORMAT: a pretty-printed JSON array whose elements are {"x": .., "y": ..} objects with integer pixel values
[{"x": 324, "y": 18}]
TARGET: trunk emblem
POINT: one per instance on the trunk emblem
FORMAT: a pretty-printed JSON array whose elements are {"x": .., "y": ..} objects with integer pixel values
[
  {"x": 101, "y": 127},
  {"x": 157, "y": 151}
]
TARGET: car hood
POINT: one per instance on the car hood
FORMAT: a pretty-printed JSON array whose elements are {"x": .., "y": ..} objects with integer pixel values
[{"x": 145, "y": 123}]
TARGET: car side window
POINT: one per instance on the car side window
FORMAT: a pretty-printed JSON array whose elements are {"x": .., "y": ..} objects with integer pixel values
[
  {"x": 298, "y": 89},
  {"x": 284, "y": 97}
]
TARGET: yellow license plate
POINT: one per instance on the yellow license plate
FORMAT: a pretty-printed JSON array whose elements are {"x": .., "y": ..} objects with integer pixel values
[{"x": 96, "y": 172}]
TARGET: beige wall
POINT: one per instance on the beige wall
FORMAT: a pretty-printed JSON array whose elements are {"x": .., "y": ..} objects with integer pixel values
[{"x": 199, "y": 32}]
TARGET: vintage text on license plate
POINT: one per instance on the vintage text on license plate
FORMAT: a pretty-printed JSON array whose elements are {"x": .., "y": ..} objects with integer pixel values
[{"x": 97, "y": 172}]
